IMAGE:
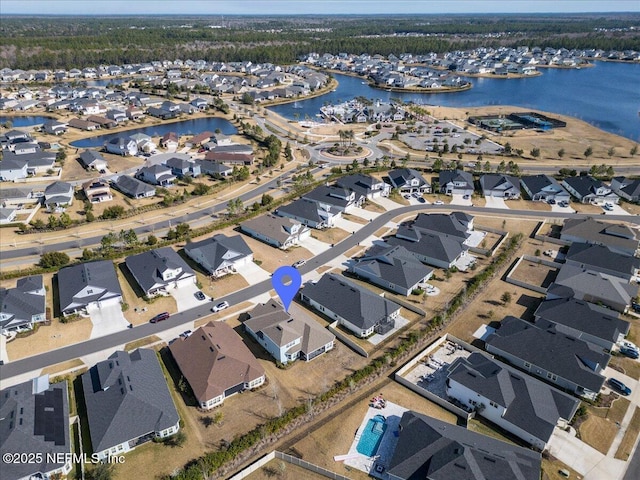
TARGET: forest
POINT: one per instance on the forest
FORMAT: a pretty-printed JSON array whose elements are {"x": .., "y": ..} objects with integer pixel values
[{"x": 77, "y": 42}]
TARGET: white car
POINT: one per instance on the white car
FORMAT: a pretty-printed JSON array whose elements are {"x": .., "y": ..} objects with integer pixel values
[
  {"x": 220, "y": 306},
  {"x": 299, "y": 263},
  {"x": 608, "y": 207},
  {"x": 438, "y": 202}
]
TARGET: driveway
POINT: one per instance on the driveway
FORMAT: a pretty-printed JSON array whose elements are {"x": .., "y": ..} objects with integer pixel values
[
  {"x": 464, "y": 262},
  {"x": 386, "y": 203},
  {"x": 495, "y": 202},
  {"x": 185, "y": 298},
  {"x": 314, "y": 245},
  {"x": 615, "y": 210},
  {"x": 558, "y": 208},
  {"x": 107, "y": 320},
  {"x": 362, "y": 213},
  {"x": 253, "y": 274},
  {"x": 457, "y": 199},
  {"x": 347, "y": 225}
]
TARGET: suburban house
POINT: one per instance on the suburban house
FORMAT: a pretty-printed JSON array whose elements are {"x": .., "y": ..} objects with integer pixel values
[
  {"x": 287, "y": 337},
  {"x": 121, "y": 146},
  {"x": 435, "y": 250},
  {"x": 309, "y": 213},
  {"x": 170, "y": 140},
  {"x": 128, "y": 402},
  {"x": 408, "y": 180},
  {"x": 335, "y": 198},
  {"x": 583, "y": 320},
  {"x": 565, "y": 361},
  {"x": 601, "y": 258},
  {"x": 354, "y": 307},
  {"x": 160, "y": 270},
  {"x": 364, "y": 185},
  {"x": 58, "y": 194},
  {"x": 92, "y": 159},
  {"x": 455, "y": 182},
  {"x": 54, "y": 127},
  {"x": 593, "y": 286},
  {"x": 500, "y": 186},
  {"x": 230, "y": 158},
  {"x": 88, "y": 286},
  {"x": 23, "y": 306},
  {"x": 34, "y": 420},
  {"x": 13, "y": 169},
  {"x": 16, "y": 196},
  {"x": 220, "y": 255},
  {"x": 280, "y": 232},
  {"x": 216, "y": 363},
  {"x": 133, "y": 187},
  {"x": 458, "y": 225},
  {"x": 97, "y": 191},
  {"x": 428, "y": 448},
  {"x": 589, "y": 190},
  {"x": 626, "y": 188},
  {"x": 83, "y": 124},
  {"x": 510, "y": 399},
  {"x": 542, "y": 188},
  {"x": 209, "y": 167},
  {"x": 181, "y": 167},
  {"x": 8, "y": 215},
  {"x": 156, "y": 175},
  {"x": 392, "y": 268},
  {"x": 618, "y": 237}
]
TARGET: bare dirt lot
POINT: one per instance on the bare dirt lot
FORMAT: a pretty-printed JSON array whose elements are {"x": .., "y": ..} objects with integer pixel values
[{"x": 535, "y": 273}]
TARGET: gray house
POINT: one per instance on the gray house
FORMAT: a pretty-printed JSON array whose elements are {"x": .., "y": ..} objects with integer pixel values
[
  {"x": 392, "y": 268},
  {"x": 408, "y": 180},
  {"x": 583, "y": 320},
  {"x": 354, "y": 307},
  {"x": 589, "y": 190},
  {"x": 335, "y": 198},
  {"x": 428, "y": 448},
  {"x": 91, "y": 159},
  {"x": 364, "y": 185},
  {"x": 626, "y": 188},
  {"x": 121, "y": 146},
  {"x": 181, "y": 167},
  {"x": 160, "y": 270},
  {"x": 133, "y": 187},
  {"x": 500, "y": 186},
  {"x": 23, "y": 306},
  {"x": 279, "y": 232},
  {"x": 87, "y": 286},
  {"x": 58, "y": 194},
  {"x": 220, "y": 255},
  {"x": 160, "y": 175},
  {"x": 542, "y": 188},
  {"x": 287, "y": 337},
  {"x": 310, "y": 213},
  {"x": 618, "y": 237},
  {"x": 435, "y": 250},
  {"x": 510, "y": 399},
  {"x": 455, "y": 182},
  {"x": 128, "y": 402},
  {"x": 601, "y": 258},
  {"x": 563, "y": 360},
  {"x": 34, "y": 420}
]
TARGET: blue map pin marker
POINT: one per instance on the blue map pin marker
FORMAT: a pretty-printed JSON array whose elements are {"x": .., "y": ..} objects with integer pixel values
[{"x": 284, "y": 291}]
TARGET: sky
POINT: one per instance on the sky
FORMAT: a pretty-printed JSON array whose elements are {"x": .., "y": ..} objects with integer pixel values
[{"x": 298, "y": 7}]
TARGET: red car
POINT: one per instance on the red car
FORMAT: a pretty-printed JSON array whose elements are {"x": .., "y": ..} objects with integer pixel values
[{"x": 160, "y": 317}]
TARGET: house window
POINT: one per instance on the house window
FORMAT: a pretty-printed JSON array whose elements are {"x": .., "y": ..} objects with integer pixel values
[
  {"x": 527, "y": 365},
  {"x": 493, "y": 404},
  {"x": 552, "y": 376}
]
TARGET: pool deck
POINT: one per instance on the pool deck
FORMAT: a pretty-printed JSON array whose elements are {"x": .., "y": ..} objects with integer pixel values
[{"x": 393, "y": 414}]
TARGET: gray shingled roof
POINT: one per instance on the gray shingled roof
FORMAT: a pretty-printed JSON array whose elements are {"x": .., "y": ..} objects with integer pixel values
[
  {"x": 445, "y": 249},
  {"x": 274, "y": 227},
  {"x": 96, "y": 280},
  {"x": 536, "y": 183},
  {"x": 453, "y": 224},
  {"x": 596, "y": 284},
  {"x": 330, "y": 195},
  {"x": 447, "y": 176},
  {"x": 147, "y": 267},
  {"x": 89, "y": 156},
  {"x": 33, "y": 421},
  {"x": 603, "y": 257},
  {"x": 584, "y": 185},
  {"x": 491, "y": 181},
  {"x": 360, "y": 183},
  {"x": 399, "y": 178},
  {"x": 583, "y": 316},
  {"x": 555, "y": 352},
  {"x": 393, "y": 264},
  {"x": 431, "y": 449},
  {"x": 588, "y": 230},
  {"x": 216, "y": 252},
  {"x": 302, "y": 208},
  {"x": 358, "y": 305},
  {"x": 127, "y": 397},
  {"x": 530, "y": 404},
  {"x": 132, "y": 186},
  {"x": 20, "y": 304}
]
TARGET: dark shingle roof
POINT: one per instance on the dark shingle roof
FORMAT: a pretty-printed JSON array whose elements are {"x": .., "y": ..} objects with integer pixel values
[
  {"x": 583, "y": 316},
  {"x": 453, "y": 224},
  {"x": 20, "y": 304},
  {"x": 96, "y": 280},
  {"x": 555, "y": 352},
  {"x": 445, "y": 249},
  {"x": 354, "y": 303},
  {"x": 399, "y": 178},
  {"x": 132, "y": 186},
  {"x": 214, "y": 252},
  {"x": 588, "y": 230},
  {"x": 395, "y": 265},
  {"x": 431, "y": 449},
  {"x": 330, "y": 195},
  {"x": 126, "y": 397},
  {"x": 302, "y": 208},
  {"x": 536, "y": 183},
  {"x": 603, "y": 257},
  {"x": 447, "y": 176},
  {"x": 360, "y": 183},
  {"x": 531, "y": 405},
  {"x": 147, "y": 267},
  {"x": 492, "y": 181},
  {"x": 34, "y": 421}
]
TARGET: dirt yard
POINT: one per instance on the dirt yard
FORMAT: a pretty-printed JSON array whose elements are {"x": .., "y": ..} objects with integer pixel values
[{"x": 535, "y": 274}]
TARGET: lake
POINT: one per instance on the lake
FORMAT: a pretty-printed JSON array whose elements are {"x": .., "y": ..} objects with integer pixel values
[
  {"x": 183, "y": 127},
  {"x": 26, "y": 121},
  {"x": 606, "y": 96}
]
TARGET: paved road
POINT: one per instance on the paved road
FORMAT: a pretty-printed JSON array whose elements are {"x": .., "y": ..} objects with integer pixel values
[
  {"x": 633, "y": 466},
  {"x": 111, "y": 341}
]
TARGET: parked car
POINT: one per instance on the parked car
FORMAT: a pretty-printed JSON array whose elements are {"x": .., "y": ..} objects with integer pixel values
[
  {"x": 466, "y": 197},
  {"x": 563, "y": 204},
  {"x": 299, "y": 263},
  {"x": 438, "y": 202},
  {"x": 629, "y": 352},
  {"x": 421, "y": 200},
  {"x": 220, "y": 306},
  {"x": 199, "y": 295},
  {"x": 628, "y": 344},
  {"x": 636, "y": 307},
  {"x": 608, "y": 207},
  {"x": 551, "y": 201},
  {"x": 407, "y": 196},
  {"x": 160, "y": 317},
  {"x": 185, "y": 334},
  {"x": 415, "y": 194},
  {"x": 618, "y": 385}
]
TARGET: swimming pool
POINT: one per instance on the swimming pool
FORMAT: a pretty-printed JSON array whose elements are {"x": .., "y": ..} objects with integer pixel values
[{"x": 372, "y": 436}]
